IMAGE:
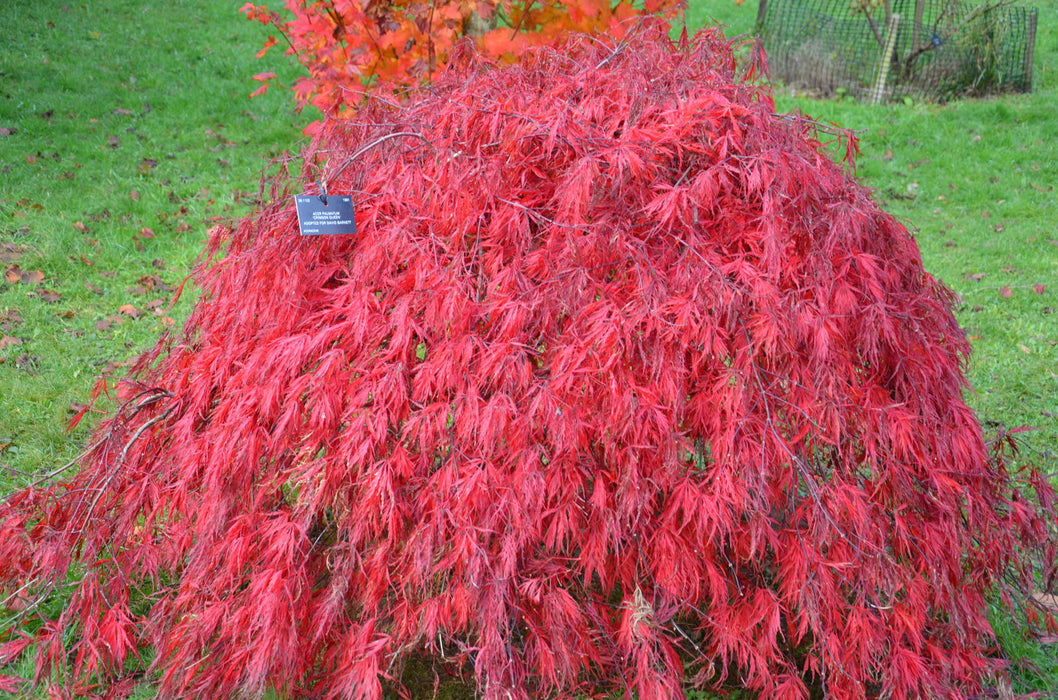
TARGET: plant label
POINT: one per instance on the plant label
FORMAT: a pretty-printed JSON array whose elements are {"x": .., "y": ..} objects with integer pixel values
[{"x": 330, "y": 216}]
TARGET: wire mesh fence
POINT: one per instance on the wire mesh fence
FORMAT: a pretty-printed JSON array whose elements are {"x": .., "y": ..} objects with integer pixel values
[{"x": 886, "y": 49}]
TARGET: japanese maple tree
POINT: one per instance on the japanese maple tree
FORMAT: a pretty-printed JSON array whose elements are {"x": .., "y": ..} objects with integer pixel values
[
  {"x": 622, "y": 385},
  {"x": 346, "y": 45}
]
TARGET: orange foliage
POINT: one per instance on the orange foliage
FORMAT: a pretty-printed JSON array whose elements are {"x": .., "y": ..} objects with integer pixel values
[{"x": 347, "y": 44}]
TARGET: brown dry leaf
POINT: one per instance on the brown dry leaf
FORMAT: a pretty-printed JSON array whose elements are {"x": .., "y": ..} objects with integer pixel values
[
  {"x": 49, "y": 296},
  {"x": 1006, "y": 292},
  {"x": 79, "y": 225},
  {"x": 975, "y": 276},
  {"x": 10, "y": 318},
  {"x": 92, "y": 288},
  {"x": 130, "y": 311},
  {"x": 15, "y": 275},
  {"x": 9, "y": 340},
  {"x": 154, "y": 282},
  {"x": 134, "y": 195},
  {"x": 10, "y": 252},
  {"x": 1047, "y": 601},
  {"x": 1024, "y": 349},
  {"x": 111, "y": 367},
  {"x": 27, "y": 362},
  {"x": 103, "y": 325}
]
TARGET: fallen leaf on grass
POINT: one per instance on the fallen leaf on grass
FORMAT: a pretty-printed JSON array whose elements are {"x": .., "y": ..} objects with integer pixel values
[
  {"x": 92, "y": 288},
  {"x": 7, "y": 131},
  {"x": 1024, "y": 349},
  {"x": 27, "y": 362},
  {"x": 1047, "y": 601},
  {"x": 975, "y": 276},
  {"x": 10, "y": 318},
  {"x": 1039, "y": 288},
  {"x": 49, "y": 296},
  {"x": 10, "y": 252},
  {"x": 130, "y": 311},
  {"x": 15, "y": 275},
  {"x": 9, "y": 340},
  {"x": 1006, "y": 292},
  {"x": 79, "y": 225}
]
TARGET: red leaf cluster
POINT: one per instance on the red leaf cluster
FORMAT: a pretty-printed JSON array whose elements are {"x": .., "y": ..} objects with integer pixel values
[{"x": 622, "y": 382}]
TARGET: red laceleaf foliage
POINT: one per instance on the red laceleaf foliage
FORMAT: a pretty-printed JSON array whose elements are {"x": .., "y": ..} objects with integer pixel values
[
  {"x": 620, "y": 376},
  {"x": 347, "y": 44}
]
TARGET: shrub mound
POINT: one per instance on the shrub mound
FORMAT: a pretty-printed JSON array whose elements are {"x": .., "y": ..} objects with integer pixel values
[{"x": 623, "y": 384}]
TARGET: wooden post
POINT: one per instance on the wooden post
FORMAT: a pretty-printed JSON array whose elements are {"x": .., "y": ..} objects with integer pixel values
[
  {"x": 885, "y": 60},
  {"x": 916, "y": 28}
]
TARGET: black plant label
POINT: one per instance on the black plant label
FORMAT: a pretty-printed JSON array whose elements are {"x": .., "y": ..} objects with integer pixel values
[{"x": 332, "y": 215}]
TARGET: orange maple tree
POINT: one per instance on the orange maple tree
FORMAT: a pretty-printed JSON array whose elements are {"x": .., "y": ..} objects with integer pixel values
[{"x": 348, "y": 44}]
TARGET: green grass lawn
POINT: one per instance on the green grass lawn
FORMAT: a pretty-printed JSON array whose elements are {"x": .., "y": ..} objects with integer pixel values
[{"x": 125, "y": 129}]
